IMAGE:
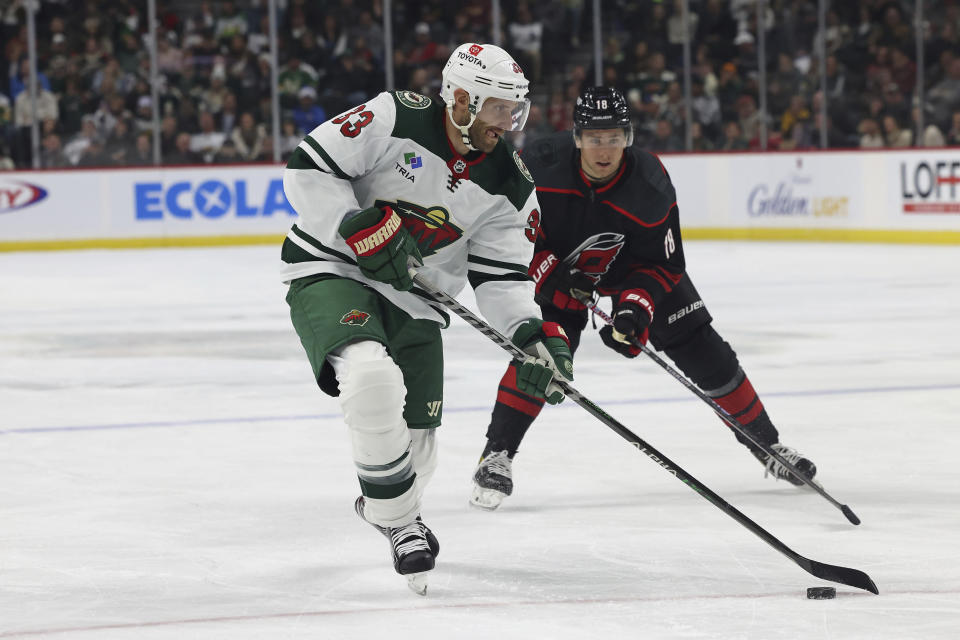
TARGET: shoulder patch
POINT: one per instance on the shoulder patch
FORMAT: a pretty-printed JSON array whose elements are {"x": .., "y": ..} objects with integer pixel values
[
  {"x": 413, "y": 100},
  {"x": 521, "y": 166}
]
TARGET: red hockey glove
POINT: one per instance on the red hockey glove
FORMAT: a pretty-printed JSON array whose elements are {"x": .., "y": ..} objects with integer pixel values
[
  {"x": 632, "y": 315},
  {"x": 383, "y": 246},
  {"x": 558, "y": 284}
]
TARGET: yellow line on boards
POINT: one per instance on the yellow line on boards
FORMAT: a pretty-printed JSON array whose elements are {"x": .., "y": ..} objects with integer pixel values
[
  {"x": 140, "y": 243},
  {"x": 889, "y": 236}
]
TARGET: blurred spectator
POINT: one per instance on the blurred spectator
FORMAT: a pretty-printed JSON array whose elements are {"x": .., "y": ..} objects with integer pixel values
[
  {"x": 675, "y": 31},
  {"x": 705, "y": 107},
  {"x": 19, "y": 80},
  {"x": 664, "y": 138},
  {"x": 208, "y": 140},
  {"x": 953, "y": 135},
  {"x": 51, "y": 152},
  {"x": 333, "y": 38},
  {"x": 870, "y": 135},
  {"x": 932, "y": 136},
  {"x": 289, "y": 138},
  {"x": 699, "y": 142},
  {"x": 143, "y": 118},
  {"x": 526, "y": 38},
  {"x": 795, "y": 124},
  {"x": 749, "y": 118},
  {"x": 294, "y": 76},
  {"x": 213, "y": 96},
  {"x": 169, "y": 57},
  {"x": 733, "y": 139},
  {"x": 673, "y": 107},
  {"x": 945, "y": 95},
  {"x": 168, "y": 136},
  {"x": 729, "y": 89},
  {"x": 120, "y": 143},
  {"x": 248, "y": 138},
  {"x": 142, "y": 155},
  {"x": 230, "y": 22},
  {"x": 227, "y": 153},
  {"x": 371, "y": 32},
  {"x": 87, "y": 138},
  {"x": 182, "y": 153},
  {"x": 308, "y": 115},
  {"x": 228, "y": 117},
  {"x": 6, "y": 160},
  {"x": 894, "y": 135},
  {"x": 23, "y": 118}
]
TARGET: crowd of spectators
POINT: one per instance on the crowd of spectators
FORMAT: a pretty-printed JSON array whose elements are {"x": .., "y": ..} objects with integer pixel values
[{"x": 95, "y": 106}]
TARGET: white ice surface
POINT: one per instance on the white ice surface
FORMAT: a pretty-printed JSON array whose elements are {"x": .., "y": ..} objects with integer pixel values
[{"x": 169, "y": 470}]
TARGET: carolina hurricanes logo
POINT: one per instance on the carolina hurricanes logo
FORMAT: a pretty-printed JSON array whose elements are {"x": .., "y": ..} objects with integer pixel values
[
  {"x": 355, "y": 317},
  {"x": 595, "y": 254},
  {"x": 475, "y": 49},
  {"x": 429, "y": 226}
]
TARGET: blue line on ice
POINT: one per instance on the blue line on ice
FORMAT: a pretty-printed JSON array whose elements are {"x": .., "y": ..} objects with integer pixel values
[{"x": 567, "y": 405}]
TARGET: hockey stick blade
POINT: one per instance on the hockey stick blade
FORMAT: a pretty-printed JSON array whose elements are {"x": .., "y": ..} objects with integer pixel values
[
  {"x": 725, "y": 416},
  {"x": 842, "y": 575}
]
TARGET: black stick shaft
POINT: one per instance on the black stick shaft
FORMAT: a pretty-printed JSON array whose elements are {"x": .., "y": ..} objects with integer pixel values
[
  {"x": 726, "y": 417},
  {"x": 833, "y": 573}
]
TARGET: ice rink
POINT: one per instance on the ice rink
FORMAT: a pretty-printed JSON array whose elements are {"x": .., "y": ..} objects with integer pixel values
[{"x": 168, "y": 469}]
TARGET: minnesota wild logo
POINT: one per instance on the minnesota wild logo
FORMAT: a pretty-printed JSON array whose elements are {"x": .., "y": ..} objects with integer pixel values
[
  {"x": 355, "y": 317},
  {"x": 430, "y": 226},
  {"x": 522, "y": 166},
  {"x": 413, "y": 100}
]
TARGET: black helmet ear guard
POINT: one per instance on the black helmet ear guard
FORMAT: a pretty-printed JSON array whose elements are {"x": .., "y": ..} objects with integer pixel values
[{"x": 602, "y": 108}]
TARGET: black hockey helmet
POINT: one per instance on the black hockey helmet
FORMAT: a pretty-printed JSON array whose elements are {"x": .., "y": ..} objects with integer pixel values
[{"x": 602, "y": 108}]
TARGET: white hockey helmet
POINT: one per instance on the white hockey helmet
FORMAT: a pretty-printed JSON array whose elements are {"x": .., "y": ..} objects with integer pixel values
[{"x": 486, "y": 71}]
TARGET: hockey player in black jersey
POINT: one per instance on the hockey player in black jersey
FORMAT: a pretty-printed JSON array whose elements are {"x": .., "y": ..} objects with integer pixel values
[{"x": 609, "y": 226}]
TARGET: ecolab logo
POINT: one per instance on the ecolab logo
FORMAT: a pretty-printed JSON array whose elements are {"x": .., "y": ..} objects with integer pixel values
[
  {"x": 930, "y": 187},
  {"x": 208, "y": 199},
  {"x": 17, "y": 195}
]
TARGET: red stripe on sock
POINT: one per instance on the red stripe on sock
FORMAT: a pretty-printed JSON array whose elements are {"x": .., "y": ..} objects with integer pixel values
[
  {"x": 740, "y": 399},
  {"x": 509, "y": 395}
]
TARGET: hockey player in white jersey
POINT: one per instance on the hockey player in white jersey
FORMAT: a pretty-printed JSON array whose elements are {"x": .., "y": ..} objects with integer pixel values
[{"x": 404, "y": 179}]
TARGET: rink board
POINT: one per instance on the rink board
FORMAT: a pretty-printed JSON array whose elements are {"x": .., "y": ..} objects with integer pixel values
[{"x": 885, "y": 196}]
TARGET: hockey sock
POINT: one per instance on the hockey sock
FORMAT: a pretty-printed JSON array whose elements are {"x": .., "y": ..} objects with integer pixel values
[
  {"x": 512, "y": 415},
  {"x": 372, "y": 396},
  {"x": 740, "y": 400}
]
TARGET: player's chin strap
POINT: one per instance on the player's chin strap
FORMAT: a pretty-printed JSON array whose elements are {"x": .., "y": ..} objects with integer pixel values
[
  {"x": 463, "y": 128},
  {"x": 591, "y": 303},
  {"x": 834, "y": 573}
]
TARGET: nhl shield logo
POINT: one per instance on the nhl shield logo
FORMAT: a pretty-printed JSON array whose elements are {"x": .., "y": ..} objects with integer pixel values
[
  {"x": 355, "y": 317},
  {"x": 460, "y": 166}
]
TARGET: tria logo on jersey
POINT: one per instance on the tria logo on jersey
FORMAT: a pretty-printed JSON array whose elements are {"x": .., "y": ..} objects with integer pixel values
[
  {"x": 430, "y": 226},
  {"x": 355, "y": 317},
  {"x": 412, "y": 162}
]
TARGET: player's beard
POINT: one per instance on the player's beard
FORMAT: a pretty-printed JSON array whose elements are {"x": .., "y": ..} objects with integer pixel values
[{"x": 479, "y": 138}]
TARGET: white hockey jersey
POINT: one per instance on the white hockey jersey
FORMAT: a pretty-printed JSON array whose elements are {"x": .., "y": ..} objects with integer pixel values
[{"x": 469, "y": 215}]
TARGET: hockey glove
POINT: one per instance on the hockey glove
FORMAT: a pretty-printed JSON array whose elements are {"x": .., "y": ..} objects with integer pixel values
[
  {"x": 559, "y": 284},
  {"x": 549, "y": 356},
  {"x": 383, "y": 246},
  {"x": 631, "y": 322}
]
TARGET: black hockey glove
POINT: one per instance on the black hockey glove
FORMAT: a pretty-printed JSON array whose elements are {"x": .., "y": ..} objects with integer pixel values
[
  {"x": 383, "y": 246},
  {"x": 550, "y": 356},
  {"x": 559, "y": 284},
  {"x": 631, "y": 322}
]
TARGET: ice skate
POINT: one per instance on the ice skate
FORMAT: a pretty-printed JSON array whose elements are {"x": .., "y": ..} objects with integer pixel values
[
  {"x": 773, "y": 467},
  {"x": 492, "y": 481},
  {"x": 414, "y": 549}
]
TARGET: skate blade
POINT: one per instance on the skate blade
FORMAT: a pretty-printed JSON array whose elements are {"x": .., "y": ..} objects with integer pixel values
[
  {"x": 486, "y": 499},
  {"x": 417, "y": 582}
]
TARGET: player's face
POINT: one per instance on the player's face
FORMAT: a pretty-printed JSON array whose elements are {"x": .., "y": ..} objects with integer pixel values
[
  {"x": 601, "y": 151},
  {"x": 495, "y": 117}
]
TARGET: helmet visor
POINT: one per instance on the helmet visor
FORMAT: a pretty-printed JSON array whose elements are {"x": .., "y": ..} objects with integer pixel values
[
  {"x": 605, "y": 138},
  {"x": 509, "y": 115}
]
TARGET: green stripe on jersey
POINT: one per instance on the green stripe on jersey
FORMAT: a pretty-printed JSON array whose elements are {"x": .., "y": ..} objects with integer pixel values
[
  {"x": 326, "y": 157},
  {"x": 477, "y": 278},
  {"x": 300, "y": 159},
  {"x": 313, "y": 242},
  {"x": 509, "y": 266}
]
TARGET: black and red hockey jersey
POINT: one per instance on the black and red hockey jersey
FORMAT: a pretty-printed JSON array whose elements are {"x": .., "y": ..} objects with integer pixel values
[{"x": 624, "y": 234}]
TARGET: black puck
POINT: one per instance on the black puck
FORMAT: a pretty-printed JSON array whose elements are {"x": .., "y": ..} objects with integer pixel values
[{"x": 821, "y": 593}]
